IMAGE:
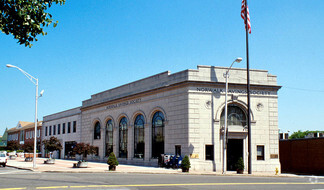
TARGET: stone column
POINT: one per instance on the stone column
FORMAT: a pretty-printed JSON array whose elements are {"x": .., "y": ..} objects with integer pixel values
[
  {"x": 148, "y": 141},
  {"x": 130, "y": 142}
]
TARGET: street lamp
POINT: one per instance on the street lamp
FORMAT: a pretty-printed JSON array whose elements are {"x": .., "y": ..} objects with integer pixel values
[
  {"x": 239, "y": 59},
  {"x": 34, "y": 81}
]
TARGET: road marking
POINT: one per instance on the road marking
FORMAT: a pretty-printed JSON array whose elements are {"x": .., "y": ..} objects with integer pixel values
[
  {"x": 168, "y": 185},
  {"x": 53, "y": 187},
  {"x": 12, "y": 172}
]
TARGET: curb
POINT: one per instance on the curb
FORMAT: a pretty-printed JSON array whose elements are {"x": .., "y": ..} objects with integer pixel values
[
  {"x": 174, "y": 173},
  {"x": 20, "y": 168},
  {"x": 165, "y": 173}
]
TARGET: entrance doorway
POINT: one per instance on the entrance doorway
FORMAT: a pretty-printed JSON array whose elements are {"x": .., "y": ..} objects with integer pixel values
[
  {"x": 69, "y": 145},
  {"x": 234, "y": 152}
]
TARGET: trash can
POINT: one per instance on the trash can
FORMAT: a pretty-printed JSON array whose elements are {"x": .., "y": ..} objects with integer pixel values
[
  {"x": 161, "y": 160},
  {"x": 167, "y": 158},
  {"x": 176, "y": 163}
]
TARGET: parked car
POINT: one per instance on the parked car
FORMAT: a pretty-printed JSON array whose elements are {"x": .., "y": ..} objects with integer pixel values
[{"x": 3, "y": 159}]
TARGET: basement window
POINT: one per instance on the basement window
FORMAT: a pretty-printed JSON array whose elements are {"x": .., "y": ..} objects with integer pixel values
[
  {"x": 260, "y": 152},
  {"x": 209, "y": 152}
]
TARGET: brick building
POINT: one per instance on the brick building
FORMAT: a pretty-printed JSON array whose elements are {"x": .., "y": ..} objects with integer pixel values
[{"x": 24, "y": 133}]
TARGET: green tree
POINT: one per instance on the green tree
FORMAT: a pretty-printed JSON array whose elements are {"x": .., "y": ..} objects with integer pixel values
[
  {"x": 298, "y": 135},
  {"x": 112, "y": 160},
  {"x": 84, "y": 149},
  {"x": 28, "y": 146},
  {"x": 185, "y": 164},
  {"x": 13, "y": 145},
  {"x": 25, "y": 19},
  {"x": 53, "y": 144},
  {"x": 301, "y": 134}
]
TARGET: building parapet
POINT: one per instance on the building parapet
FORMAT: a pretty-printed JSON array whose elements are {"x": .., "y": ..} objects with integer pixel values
[
  {"x": 165, "y": 79},
  {"x": 63, "y": 114}
]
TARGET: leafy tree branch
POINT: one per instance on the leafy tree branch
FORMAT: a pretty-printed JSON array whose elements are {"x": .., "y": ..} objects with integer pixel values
[{"x": 25, "y": 19}]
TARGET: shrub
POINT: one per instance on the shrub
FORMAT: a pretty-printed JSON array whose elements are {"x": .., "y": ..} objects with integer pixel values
[
  {"x": 185, "y": 164},
  {"x": 112, "y": 160},
  {"x": 240, "y": 164}
]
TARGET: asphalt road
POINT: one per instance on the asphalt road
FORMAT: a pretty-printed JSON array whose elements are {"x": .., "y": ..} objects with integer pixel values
[{"x": 23, "y": 179}]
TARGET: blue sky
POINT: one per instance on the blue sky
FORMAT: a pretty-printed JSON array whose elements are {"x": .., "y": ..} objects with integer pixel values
[{"x": 102, "y": 44}]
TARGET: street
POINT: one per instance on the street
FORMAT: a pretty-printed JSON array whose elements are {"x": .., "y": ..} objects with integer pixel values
[{"x": 23, "y": 179}]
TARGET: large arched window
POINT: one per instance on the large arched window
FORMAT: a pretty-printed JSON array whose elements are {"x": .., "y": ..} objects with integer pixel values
[
  {"x": 123, "y": 138},
  {"x": 96, "y": 134},
  {"x": 139, "y": 137},
  {"x": 235, "y": 116},
  {"x": 157, "y": 134},
  {"x": 109, "y": 137}
]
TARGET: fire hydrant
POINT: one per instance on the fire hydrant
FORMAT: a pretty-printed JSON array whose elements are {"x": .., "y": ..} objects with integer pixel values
[{"x": 277, "y": 170}]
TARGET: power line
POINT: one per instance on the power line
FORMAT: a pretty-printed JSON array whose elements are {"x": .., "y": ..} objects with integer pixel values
[
  {"x": 303, "y": 89},
  {"x": 292, "y": 88},
  {"x": 287, "y": 87}
]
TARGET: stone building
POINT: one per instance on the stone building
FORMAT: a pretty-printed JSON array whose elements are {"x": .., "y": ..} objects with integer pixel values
[
  {"x": 183, "y": 113},
  {"x": 66, "y": 127}
]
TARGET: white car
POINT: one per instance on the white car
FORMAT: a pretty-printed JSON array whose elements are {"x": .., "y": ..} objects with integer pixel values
[{"x": 3, "y": 159}]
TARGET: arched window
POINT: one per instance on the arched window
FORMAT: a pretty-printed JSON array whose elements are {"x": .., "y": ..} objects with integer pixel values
[
  {"x": 139, "y": 137},
  {"x": 109, "y": 137},
  {"x": 123, "y": 138},
  {"x": 96, "y": 134},
  {"x": 235, "y": 116},
  {"x": 157, "y": 134}
]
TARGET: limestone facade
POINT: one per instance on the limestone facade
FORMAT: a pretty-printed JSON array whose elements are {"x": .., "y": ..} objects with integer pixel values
[
  {"x": 192, "y": 103},
  {"x": 65, "y": 126}
]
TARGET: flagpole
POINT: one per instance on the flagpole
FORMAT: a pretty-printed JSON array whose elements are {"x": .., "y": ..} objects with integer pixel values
[{"x": 248, "y": 91}]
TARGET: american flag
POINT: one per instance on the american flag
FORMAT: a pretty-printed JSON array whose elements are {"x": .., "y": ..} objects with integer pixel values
[{"x": 248, "y": 16}]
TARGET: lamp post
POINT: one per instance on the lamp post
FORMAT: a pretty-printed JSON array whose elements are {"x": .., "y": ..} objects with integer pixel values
[
  {"x": 34, "y": 81},
  {"x": 239, "y": 59}
]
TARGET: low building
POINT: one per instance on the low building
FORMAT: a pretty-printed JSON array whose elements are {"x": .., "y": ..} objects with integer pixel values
[
  {"x": 302, "y": 156},
  {"x": 24, "y": 132},
  {"x": 66, "y": 127},
  {"x": 283, "y": 135},
  {"x": 181, "y": 114},
  {"x": 3, "y": 139},
  {"x": 315, "y": 135}
]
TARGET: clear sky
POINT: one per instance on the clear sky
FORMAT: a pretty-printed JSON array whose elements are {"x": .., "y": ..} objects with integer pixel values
[{"x": 102, "y": 44}]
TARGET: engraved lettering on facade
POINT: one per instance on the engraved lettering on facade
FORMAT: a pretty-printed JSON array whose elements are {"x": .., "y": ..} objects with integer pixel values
[{"x": 124, "y": 103}]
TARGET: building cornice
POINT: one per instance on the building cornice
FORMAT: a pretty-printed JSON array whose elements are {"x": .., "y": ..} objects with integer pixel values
[{"x": 178, "y": 85}]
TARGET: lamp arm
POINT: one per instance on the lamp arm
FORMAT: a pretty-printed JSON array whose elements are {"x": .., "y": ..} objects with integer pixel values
[
  {"x": 31, "y": 78},
  {"x": 230, "y": 67}
]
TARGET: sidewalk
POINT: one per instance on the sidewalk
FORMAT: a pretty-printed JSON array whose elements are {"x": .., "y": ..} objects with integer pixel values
[{"x": 66, "y": 166}]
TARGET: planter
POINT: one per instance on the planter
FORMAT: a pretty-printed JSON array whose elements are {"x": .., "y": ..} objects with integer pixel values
[
  {"x": 82, "y": 164},
  {"x": 239, "y": 171},
  {"x": 29, "y": 159},
  {"x": 112, "y": 168},
  {"x": 185, "y": 169},
  {"x": 12, "y": 157},
  {"x": 49, "y": 161}
]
